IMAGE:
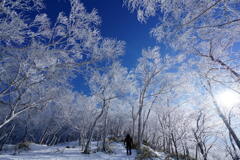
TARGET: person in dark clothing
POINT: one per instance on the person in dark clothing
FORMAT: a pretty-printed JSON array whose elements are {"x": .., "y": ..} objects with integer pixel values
[{"x": 128, "y": 142}]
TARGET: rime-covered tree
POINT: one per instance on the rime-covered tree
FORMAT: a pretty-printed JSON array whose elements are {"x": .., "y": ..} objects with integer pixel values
[
  {"x": 38, "y": 56},
  {"x": 106, "y": 86},
  {"x": 152, "y": 80},
  {"x": 206, "y": 30}
]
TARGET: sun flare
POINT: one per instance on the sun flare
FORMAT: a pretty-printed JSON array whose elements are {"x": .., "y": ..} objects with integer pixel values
[{"x": 228, "y": 98}]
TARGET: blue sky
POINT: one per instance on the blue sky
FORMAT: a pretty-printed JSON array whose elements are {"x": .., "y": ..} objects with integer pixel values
[{"x": 118, "y": 23}]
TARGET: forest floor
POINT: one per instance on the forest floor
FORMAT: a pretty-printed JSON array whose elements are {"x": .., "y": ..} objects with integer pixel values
[{"x": 68, "y": 151}]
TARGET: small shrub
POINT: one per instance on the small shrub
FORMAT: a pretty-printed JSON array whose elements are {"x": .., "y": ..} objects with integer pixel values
[
  {"x": 146, "y": 143},
  {"x": 108, "y": 149},
  {"x": 185, "y": 157},
  {"x": 23, "y": 146},
  {"x": 134, "y": 146},
  {"x": 146, "y": 153},
  {"x": 180, "y": 156},
  {"x": 115, "y": 139}
]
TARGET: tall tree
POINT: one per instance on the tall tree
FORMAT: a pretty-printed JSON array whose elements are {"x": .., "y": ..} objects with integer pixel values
[
  {"x": 38, "y": 55},
  {"x": 150, "y": 81},
  {"x": 207, "y": 29},
  {"x": 106, "y": 86}
]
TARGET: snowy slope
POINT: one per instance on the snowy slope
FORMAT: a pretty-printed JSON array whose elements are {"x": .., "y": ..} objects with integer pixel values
[{"x": 60, "y": 152}]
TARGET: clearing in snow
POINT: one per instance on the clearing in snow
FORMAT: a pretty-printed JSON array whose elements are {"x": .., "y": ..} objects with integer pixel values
[{"x": 60, "y": 152}]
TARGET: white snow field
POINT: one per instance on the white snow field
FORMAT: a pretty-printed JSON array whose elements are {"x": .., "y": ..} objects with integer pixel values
[{"x": 60, "y": 152}]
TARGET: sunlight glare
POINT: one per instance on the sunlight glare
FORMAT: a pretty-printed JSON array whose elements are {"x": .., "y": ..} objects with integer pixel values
[{"x": 228, "y": 98}]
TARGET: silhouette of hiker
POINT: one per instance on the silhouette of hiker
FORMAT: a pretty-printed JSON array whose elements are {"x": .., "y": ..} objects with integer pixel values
[{"x": 129, "y": 143}]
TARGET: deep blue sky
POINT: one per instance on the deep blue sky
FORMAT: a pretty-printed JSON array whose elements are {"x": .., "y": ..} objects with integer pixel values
[{"x": 118, "y": 23}]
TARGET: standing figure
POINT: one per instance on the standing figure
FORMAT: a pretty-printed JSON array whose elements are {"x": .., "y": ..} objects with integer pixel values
[{"x": 128, "y": 142}]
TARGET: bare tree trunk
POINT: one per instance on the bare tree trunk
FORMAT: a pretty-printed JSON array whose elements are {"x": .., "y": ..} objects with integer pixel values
[
  {"x": 171, "y": 146},
  {"x": 134, "y": 117},
  {"x": 140, "y": 127},
  {"x": 25, "y": 132},
  {"x": 133, "y": 129},
  {"x": 196, "y": 152},
  {"x": 104, "y": 148},
  {"x": 149, "y": 111},
  {"x": 5, "y": 138},
  {"x": 43, "y": 136},
  {"x": 54, "y": 140},
  {"x": 187, "y": 150},
  {"x": 141, "y": 100},
  {"x": 184, "y": 151},
  {"x": 175, "y": 145},
  {"x": 164, "y": 143},
  {"x": 86, "y": 150},
  {"x": 79, "y": 139}
]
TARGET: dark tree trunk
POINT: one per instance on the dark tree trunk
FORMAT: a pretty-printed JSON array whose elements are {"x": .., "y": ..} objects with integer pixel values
[{"x": 175, "y": 146}]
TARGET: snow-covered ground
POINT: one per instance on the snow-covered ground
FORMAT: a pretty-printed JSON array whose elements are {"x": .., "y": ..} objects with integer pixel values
[{"x": 60, "y": 152}]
